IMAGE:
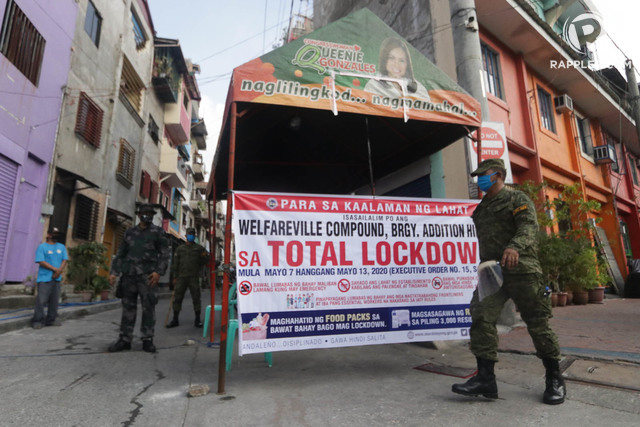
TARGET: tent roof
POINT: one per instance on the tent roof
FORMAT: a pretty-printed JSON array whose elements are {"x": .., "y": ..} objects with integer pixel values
[{"x": 307, "y": 110}]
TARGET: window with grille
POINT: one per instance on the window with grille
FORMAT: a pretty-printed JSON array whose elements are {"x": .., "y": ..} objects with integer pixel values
[
  {"x": 85, "y": 223},
  {"x": 164, "y": 200},
  {"x": 138, "y": 32},
  {"x": 634, "y": 171},
  {"x": 584, "y": 134},
  {"x": 120, "y": 230},
  {"x": 89, "y": 120},
  {"x": 131, "y": 86},
  {"x": 175, "y": 208},
  {"x": 153, "y": 129},
  {"x": 21, "y": 43},
  {"x": 153, "y": 197},
  {"x": 547, "y": 117},
  {"x": 93, "y": 23},
  {"x": 185, "y": 100},
  {"x": 613, "y": 142},
  {"x": 491, "y": 63},
  {"x": 145, "y": 185},
  {"x": 126, "y": 163}
]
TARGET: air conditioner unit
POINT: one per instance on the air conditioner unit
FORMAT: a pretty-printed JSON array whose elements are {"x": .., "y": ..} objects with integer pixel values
[
  {"x": 603, "y": 154},
  {"x": 564, "y": 103}
]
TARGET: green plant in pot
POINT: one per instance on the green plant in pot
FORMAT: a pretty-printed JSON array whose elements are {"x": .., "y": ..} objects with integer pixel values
[
  {"x": 101, "y": 287},
  {"x": 552, "y": 253},
  {"x": 567, "y": 221},
  {"x": 581, "y": 273},
  {"x": 84, "y": 262}
]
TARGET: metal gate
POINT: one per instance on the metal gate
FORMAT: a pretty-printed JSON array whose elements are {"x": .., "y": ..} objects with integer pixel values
[{"x": 8, "y": 175}]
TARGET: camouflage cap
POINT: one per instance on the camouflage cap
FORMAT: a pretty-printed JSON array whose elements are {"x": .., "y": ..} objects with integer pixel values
[
  {"x": 191, "y": 231},
  {"x": 146, "y": 207},
  {"x": 488, "y": 164}
]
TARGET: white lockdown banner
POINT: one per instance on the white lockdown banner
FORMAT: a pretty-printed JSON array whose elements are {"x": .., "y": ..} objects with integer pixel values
[{"x": 332, "y": 271}]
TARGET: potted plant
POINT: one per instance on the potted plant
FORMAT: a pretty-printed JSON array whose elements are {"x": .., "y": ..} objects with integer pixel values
[
  {"x": 596, "y": 294},
  {"x": 565, "y": 249},
  {"x": 552, "y": 251},
  {"x": 101, "y": 287},
  {"x": 84, "y": 261},
  {"x": 163, "y": 66},
  {"x": 581, "y": 273}
]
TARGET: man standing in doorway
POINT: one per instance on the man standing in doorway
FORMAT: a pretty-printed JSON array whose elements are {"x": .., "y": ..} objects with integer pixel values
[
  {"x": 142, "y": 258},
  {"x": 186, "y": 268},
  {"x": 52, "y": 259},
  {"x": 506, "y": 225}
]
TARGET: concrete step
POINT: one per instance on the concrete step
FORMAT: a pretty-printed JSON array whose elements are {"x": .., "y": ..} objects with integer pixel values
[
  {"x": 7, "y": 290},
  {"x": 17, "y": 301}
]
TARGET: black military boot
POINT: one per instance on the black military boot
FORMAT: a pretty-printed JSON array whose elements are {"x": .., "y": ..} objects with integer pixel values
[
  {"x": 555, "y": 390},
  {"x": 147, "y": 345},
  {"x": 175, "y": 322},
  {"x": 197, "y": 323},
  {"x": 484, "y": 383},
  {"x": 119, "y": 346}
]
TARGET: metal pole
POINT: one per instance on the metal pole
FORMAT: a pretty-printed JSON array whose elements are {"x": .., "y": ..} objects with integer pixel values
[
  {"x": 469, "y": 67},
  {"x": 635, "y": 95},
  {"x": 227, "y": 254},
  {"x": 464, "y": 28},
  {"x": 212, "y": 260},
  {"x": 373, "y": 183}
]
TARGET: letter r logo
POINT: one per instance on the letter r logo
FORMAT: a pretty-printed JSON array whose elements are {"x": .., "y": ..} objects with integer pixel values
[{"x": 582, "y": 29}]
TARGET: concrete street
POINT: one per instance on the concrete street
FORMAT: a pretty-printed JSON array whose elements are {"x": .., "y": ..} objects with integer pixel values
[{"x": 63, "y": 376}]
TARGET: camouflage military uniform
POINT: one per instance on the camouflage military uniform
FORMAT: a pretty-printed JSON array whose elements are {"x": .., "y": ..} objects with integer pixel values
[
  {"x": 186, "y": 268},
  {"x": 509, "y": 220},
  {"x": 142, "y": 252}
]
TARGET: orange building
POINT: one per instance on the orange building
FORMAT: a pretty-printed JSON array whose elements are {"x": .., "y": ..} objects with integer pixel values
[{"x": 565, "y": 122}]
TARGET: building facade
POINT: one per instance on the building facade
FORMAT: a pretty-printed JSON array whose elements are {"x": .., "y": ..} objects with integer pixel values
[
  {"x": 35, "y": 53},
  {"x": 564, "y": 124},
  {"x": 99, "y": 124},
  {"x": 103, "y": 139}
]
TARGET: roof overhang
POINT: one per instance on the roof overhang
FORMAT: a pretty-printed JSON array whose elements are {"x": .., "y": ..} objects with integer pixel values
[
  {"x": 67, "y": 175},
  {"x": 324, "y": 154}
]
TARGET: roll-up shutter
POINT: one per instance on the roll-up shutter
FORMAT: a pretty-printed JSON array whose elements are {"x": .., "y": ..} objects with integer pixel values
[{"x": 8, "y": 175}]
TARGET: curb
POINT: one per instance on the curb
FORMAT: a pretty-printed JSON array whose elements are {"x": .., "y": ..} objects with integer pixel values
[{"x": 67, "y": 312}]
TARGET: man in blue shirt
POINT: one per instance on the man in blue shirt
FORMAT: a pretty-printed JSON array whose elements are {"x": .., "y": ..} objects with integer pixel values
[{"x": 52, "y": 258}]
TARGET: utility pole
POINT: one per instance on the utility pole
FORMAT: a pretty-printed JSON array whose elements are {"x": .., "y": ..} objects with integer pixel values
[
  {"x": 635, "y": 93},
  {"x": 466, "y": 42},
  {"x": 469, "y": 68}
]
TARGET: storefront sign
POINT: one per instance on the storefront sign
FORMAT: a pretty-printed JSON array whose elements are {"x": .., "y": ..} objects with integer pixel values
[{"x": 494, "y": 146}]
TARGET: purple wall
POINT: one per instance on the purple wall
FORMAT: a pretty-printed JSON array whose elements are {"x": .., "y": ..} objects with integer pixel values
[{"x": 28, "y": 121}]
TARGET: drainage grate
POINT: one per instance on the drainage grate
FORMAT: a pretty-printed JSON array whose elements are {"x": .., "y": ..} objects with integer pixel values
[{"x": 452, "y": 371}]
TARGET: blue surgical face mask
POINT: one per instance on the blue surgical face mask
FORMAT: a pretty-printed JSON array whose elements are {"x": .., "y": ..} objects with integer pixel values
[
  {"x": 191, "y": 238},
  {"x": 485, "y": 183}
]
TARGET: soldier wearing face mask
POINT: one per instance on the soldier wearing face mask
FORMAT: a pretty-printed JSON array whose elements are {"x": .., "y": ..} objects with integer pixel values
[
  {"x": 142, "y": 258},
  {"x": 507, "y": 225},
  {"x": 186, "y": 268}
]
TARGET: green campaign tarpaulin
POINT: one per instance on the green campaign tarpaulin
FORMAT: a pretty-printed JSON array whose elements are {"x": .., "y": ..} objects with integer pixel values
[{"x": 302, "y": 110}]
